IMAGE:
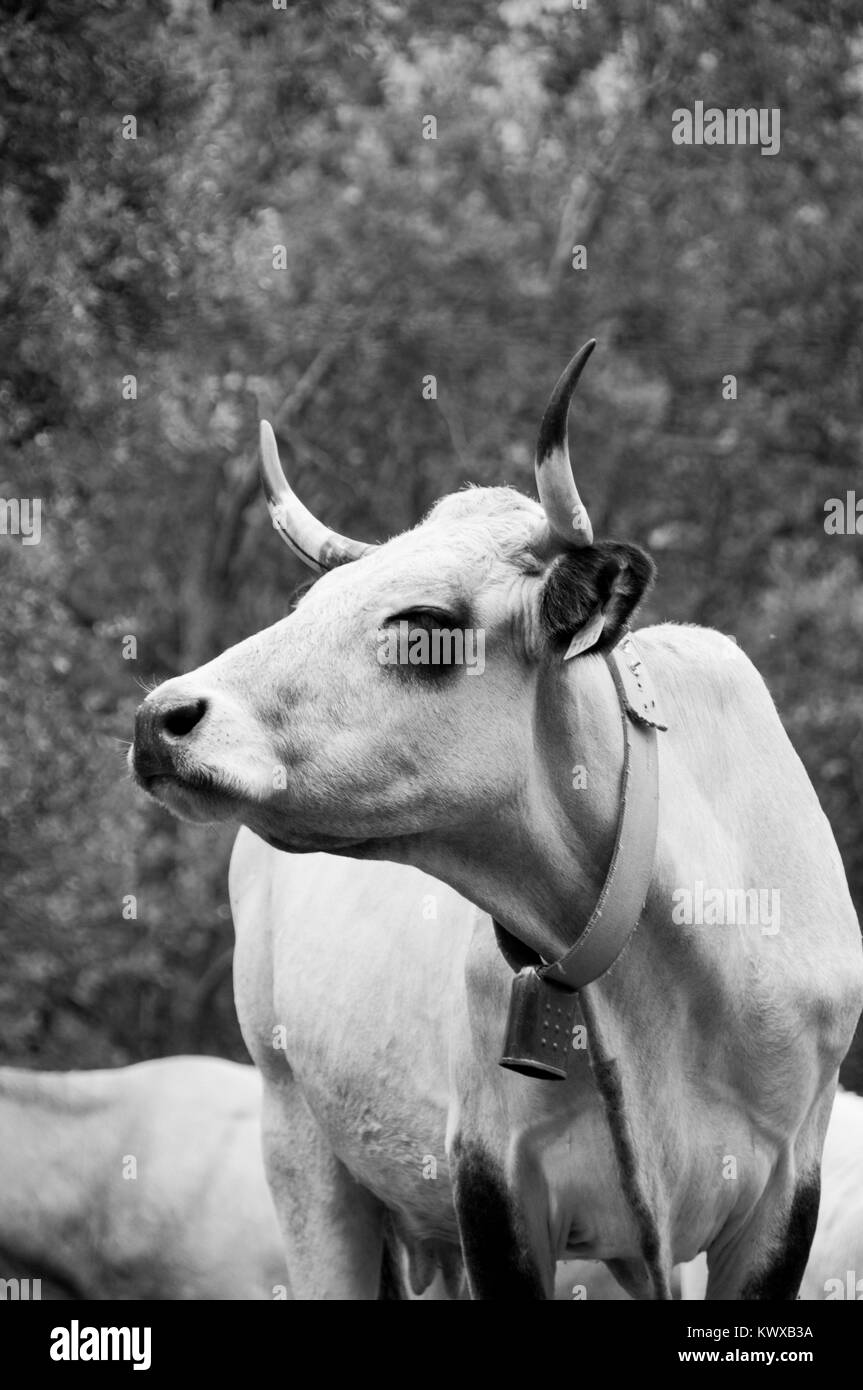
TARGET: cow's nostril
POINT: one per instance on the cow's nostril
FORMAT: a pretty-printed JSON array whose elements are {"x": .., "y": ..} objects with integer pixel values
[{"x": 182, "y": 719}]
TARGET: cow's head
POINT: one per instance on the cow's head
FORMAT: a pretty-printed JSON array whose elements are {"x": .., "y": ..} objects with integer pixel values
[{"x": 317, "y": 733}]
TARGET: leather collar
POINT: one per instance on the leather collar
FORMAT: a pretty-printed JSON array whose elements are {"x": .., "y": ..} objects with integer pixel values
[{"x": 543, "y": 1000}]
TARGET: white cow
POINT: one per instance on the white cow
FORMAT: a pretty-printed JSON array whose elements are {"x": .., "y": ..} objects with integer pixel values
[
  {"x": 138, "y": 1182},
  {"x": 835, "y": 1268},
  {"x": 694, "y": 1116}
]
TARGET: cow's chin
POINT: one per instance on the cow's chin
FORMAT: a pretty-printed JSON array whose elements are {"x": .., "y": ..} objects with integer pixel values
[
  {"x": 210, "y": 805},
  {"x": 324, "y": 844},
  {"x": 202, "y": 805},
  {"x": 295, "y": 833}
]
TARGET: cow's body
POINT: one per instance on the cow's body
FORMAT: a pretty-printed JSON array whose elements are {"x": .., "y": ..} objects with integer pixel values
[
  {"x": 136, "y": 1183},
  {"x": 694, "y": 1118},
  {"x": 723, "y": 1042}
]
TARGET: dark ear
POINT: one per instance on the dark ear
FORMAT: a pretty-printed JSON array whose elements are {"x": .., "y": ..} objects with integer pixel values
[{"x": 609, "y": 575}]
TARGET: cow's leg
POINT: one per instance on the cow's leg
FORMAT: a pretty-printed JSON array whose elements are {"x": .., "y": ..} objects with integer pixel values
[
  {"x": 331, "y": 1226},
  {"x": 503, "y": 1225},
  {"x": 765, "y": 1255},
  {"x": 765, "y": 1259}
]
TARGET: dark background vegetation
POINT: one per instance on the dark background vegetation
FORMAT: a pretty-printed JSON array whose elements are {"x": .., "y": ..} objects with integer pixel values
[{"x": 405, "y": 257}]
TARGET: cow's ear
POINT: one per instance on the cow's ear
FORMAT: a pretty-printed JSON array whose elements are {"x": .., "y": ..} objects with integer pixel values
[{"x": 589, "y": 595}]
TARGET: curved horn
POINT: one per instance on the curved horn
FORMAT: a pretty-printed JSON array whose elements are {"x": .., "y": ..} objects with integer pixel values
[
  {"x": 564, "y": 509},
  {"x": 307, "y": 537}
]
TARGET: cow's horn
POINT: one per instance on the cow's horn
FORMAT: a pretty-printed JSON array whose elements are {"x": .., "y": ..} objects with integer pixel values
[
  {"x": 564, "y": 509},
  {"x": 308, "y": 538}
]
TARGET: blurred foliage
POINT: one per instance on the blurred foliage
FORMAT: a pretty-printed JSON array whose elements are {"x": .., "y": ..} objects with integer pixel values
[{"x": 302, "y": 127}]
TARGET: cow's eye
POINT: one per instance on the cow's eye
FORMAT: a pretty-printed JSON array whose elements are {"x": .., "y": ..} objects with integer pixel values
[
  {"x": 424, "y": 617},
  {"x": 423, "y": 643}
]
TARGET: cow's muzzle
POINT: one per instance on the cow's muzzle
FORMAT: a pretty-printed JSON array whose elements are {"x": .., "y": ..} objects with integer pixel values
[{"x": 162, "y": 728}]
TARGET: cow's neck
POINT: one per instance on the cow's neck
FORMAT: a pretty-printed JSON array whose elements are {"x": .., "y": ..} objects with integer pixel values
[
  {"x": 537, "y": 863},
  {"x": 538, "y": 867},
  {"x": 46, "y": 1205}
]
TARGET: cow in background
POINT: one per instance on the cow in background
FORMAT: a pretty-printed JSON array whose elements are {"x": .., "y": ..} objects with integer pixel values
[
  {"x": 835, "y": 1268},
  {"x": 138, "y": 1182}
]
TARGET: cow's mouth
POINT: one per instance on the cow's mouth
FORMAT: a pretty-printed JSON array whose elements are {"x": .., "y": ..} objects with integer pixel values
[
  {"x": 192, "y": 795},
  {"x": 199, "y": 797}
]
